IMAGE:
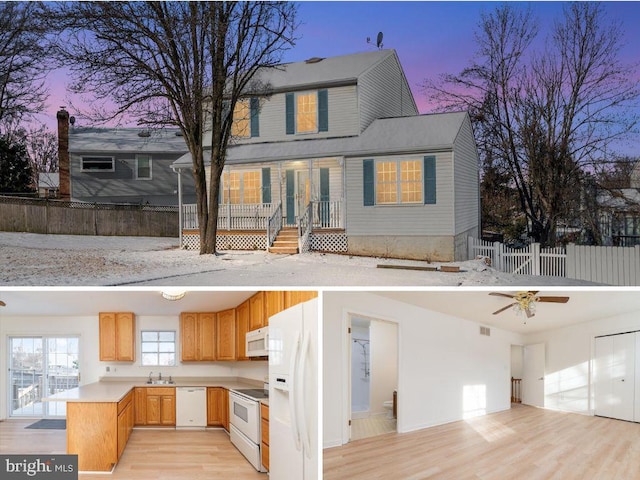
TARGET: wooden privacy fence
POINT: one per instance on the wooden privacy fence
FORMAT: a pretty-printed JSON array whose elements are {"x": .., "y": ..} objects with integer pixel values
[
  {"x": 608, "y": 265},
  {"x": 78, "y": 218}
]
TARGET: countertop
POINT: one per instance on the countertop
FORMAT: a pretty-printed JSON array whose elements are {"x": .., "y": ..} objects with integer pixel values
[{"x": 115, "y": 389}]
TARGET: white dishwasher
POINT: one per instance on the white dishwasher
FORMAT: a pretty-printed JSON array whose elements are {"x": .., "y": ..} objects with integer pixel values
[{"x": 191, "y": 407}]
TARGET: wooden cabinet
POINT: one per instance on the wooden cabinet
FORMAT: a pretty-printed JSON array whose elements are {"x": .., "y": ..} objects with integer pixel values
[
  {"x": 218, "y": 407},
  {"x": 257, "y": 312},
  {"x": 226, "y": 335},
  {"x": 294, "y": 297},
  {"x": 140, "y": 401},
  {"x": 264, "y": 419},
  {"x": 117, "y": 337},
  {"x": 125, "y": 421},
  {"x": 242, "y": 327},
  {"x": 160, "y": 406},
  {"x": 273, "y": 303},
  {"x": 198, "y": 337}
]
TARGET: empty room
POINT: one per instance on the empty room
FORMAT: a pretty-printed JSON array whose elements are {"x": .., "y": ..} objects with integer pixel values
[{"x": 489, "y": 384}]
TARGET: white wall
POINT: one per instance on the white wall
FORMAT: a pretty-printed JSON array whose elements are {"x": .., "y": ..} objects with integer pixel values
[
  {"x": 91, "y": 368},
  {"x": 569, "y": 352},
  {"x": 384, "y": 364},
  {"x": 446, "y": 369},
  {"x": 517, "y": 357}
]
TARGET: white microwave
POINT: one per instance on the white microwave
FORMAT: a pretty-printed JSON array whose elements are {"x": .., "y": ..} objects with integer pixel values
[{"x": 258, "y": 342}]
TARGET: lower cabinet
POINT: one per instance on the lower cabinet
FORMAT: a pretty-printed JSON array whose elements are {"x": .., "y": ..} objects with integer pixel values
[
  {"x": 155, "y": 406},
  {"x": 264, "y": 419},
  {"x": 218, "y": 407},
  {"x": 125, "y": 421}
]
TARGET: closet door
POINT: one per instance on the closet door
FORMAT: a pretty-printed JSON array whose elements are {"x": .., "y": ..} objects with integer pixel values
[
  {"x": 614, "y": 375},
  {"x": 637, "y": 380}
]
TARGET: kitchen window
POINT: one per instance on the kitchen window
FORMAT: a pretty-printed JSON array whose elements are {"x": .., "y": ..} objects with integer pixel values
[
  {"x": 143, "y": 167},
  {"x": 97, "y": 164},
  {"x": 158, "y": 348}
]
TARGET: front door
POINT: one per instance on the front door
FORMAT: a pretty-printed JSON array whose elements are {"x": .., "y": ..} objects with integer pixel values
[{"x": 300, "y": 190}]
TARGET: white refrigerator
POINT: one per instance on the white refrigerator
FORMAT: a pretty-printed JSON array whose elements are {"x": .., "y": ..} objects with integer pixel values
[{"x": 293, "y": 393}]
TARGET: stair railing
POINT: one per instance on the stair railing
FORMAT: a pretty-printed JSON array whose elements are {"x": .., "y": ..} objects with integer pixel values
[
  {"x": 304, "y": 229},
  {"x": 274, "y": 224}
]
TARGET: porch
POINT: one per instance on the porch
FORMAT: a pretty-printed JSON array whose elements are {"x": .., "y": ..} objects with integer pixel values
[{"x": 257, "y": 226}]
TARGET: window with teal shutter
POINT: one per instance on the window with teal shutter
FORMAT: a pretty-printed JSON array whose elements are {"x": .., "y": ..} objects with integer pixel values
[
  {"x": 254, "y": 105},
  {"x": 368, "y": 182},
  {"x": 266, "y": 185},
  {"x": 323, "y": 111},
  {"x": 290, "y": 114},
  {"x": 430, "y": 180}
]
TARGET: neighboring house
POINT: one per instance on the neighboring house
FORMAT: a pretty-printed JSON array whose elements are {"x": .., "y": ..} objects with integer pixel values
[
  {"x": 619, "y": 213},
  {"x": 338, "y": 150},
  {"x": 48, "y": 185},
  {"x": 124, "y": 165}
]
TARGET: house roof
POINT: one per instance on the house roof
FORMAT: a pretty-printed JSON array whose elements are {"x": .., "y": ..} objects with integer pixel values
[
  {"x": 326, "y": 71},
  {"x": 125, "y": 140},
  {"x": 384, "y": 136}
]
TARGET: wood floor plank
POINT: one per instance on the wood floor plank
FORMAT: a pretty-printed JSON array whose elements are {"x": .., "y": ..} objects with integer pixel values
[
  {"x": 150, "y": 454},
  {"x": 523, "y": 442}
]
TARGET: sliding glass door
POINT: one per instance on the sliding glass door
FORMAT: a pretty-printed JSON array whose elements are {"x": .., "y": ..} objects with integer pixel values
[{"x": 39, "y": 367}]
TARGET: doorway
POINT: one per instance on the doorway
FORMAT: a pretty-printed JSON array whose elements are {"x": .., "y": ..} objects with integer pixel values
[
  {"x": 373, "y": 377},
  {"x": 40, "y": 366}
]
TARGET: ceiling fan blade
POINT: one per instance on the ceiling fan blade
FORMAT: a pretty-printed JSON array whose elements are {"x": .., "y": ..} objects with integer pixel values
[
  {"x": 553, "y": 299},
  {"x": 2, "y": 304},
  {"x": 528, "y": 312},
  {"x": 499, "y": 294},
  {"x": 503, "y": 309}
]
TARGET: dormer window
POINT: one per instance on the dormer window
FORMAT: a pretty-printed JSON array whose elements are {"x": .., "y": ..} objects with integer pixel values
[
  {"x": 307, "y": 112},
  {"x": 245, "y": 118}
]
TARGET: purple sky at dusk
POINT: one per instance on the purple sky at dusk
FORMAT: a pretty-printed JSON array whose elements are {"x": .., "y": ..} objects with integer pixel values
[{"x": 430, "y": 38}]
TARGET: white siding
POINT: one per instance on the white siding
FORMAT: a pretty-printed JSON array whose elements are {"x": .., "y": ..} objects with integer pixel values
[
  {"x": 343, "y": 118},
  {"x": 383, "y": 92},
  {"x": 465, "y": 165},
  {"x": 401, "y": 219}
]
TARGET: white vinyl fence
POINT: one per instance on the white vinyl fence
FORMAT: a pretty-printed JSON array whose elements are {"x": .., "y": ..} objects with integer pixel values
[{"x": 608, "y": 265}]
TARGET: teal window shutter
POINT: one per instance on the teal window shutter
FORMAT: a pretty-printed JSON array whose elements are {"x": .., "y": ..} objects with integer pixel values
[
  {"x": 266, "y": 185},
  {"x": 369, "y": 182},
  {"x": 323, "y": 110},
  {"x": 429, "y": 180},
  {"x": 325, "y": 206},
  {"x": 291, "y": 197},
  {"x": 290, "y": 114},
  {"x": 254, "y": 105}
]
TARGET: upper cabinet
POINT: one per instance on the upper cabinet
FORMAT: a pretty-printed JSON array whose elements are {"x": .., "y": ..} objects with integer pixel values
[
  {"x": 226, "y": 335},
  {"x": 294, "y": 297},
  {"x": 273, "y": 303},
  {"x": 257, "y": 315},
  {"x": 117, "y": 337},
  {"x": 243, "y": 313},
  {"x": 198, "y": 336}
]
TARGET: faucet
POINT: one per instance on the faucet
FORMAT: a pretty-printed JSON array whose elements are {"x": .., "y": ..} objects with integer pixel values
[
  {"x": 160, "y": 376},
  {"x": 150, "y": 373}
]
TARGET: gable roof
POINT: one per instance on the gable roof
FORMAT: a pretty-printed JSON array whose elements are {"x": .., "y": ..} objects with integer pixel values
[
  {"x": 344, "y": 69},
  {"x": 396, "y": 135},
  {"x": 125, "y": 140}
]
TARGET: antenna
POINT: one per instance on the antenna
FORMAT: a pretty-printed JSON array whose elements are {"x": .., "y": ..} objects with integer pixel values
[{"x": 379, "y": 43}]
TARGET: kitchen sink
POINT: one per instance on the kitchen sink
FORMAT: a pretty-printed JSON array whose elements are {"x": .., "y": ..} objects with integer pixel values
[{"x": 161, "y": 382}]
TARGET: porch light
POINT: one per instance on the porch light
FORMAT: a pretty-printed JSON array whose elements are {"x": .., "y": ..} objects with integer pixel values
[{"x": 173, "y": 294}]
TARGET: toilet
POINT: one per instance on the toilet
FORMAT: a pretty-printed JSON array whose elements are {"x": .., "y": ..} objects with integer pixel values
[{"x": 388, "y": 406}]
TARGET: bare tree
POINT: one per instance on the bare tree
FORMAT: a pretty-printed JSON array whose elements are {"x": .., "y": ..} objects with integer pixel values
[
  {"x": 546, "y": 116},
  {"x": 182, "y": 64},
  {"x": 22, "y": 63}
]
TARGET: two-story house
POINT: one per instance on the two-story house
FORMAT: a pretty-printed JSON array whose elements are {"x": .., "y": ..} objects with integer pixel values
[{"x": 338, "y": 150}]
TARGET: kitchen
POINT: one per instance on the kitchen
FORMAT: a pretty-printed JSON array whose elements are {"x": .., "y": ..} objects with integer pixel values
[{"x": 126, "y": 344}]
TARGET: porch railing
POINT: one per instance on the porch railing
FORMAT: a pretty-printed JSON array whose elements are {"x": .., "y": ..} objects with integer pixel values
[
  {"x": 274, "y": 224},
  {"x": 233, "y": 216},
  {"x": 304, "y": 228},
  {"x": 327, "y": 214}
]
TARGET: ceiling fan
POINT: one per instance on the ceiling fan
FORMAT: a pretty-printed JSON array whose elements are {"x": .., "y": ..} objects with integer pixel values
[{"x": 526, "y": 301}]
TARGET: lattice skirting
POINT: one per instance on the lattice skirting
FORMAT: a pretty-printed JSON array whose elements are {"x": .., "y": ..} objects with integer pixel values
[
  {"x": 227, "y": 242},
  {"x": 329, "y": 242}
]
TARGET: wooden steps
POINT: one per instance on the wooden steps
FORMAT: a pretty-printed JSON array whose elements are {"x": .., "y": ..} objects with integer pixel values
[{"x": 286, "y": 242}]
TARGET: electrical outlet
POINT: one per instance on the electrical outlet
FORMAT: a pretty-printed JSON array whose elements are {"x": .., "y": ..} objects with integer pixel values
[{"x": 107, "y": 368}]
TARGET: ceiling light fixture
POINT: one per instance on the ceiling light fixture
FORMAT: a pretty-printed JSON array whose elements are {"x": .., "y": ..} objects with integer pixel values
[
  {"x": 173, "y": 294},
  {"x": 525, "y": 303}
]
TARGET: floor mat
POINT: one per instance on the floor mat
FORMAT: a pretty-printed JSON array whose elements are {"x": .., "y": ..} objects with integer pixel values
[{"x": 51, "y": 424}]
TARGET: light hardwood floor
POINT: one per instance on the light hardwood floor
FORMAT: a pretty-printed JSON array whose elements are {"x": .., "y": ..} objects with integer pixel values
[
  {"x": 149, "y": 455},
  {"x": 521, "y": 443}
]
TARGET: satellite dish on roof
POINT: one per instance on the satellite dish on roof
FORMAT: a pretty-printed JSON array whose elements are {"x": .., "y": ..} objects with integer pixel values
[{"x": 379, "y": 44}]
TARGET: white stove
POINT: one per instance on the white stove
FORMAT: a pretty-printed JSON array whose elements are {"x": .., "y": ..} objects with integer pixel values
[{"x": 244, "y": 419}]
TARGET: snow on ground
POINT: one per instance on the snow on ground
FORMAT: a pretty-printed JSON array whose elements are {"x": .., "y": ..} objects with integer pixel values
[{"x": 28, "y": 259}]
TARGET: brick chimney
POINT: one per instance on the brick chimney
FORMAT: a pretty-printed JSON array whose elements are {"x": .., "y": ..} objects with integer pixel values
[{"x": 63, "y": 153}]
